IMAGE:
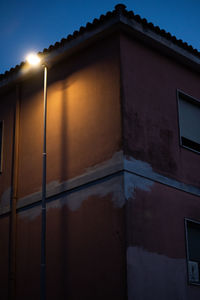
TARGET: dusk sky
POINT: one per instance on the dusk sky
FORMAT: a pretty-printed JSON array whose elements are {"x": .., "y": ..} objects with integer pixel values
[{"x": 27, "y": 25}]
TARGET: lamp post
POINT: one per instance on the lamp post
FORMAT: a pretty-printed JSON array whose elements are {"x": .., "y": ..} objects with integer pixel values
[{"x": 34, "y": 60}]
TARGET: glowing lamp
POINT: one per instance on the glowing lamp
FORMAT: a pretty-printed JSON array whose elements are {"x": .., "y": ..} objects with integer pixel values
[{"x": 33, "y": 59}]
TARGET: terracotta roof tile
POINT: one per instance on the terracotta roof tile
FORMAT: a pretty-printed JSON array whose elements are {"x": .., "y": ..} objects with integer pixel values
[{"x": 120, "y": 9}]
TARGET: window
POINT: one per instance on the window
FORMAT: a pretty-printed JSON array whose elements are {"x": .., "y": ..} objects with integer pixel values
[
  {"x": 1, "y": 144},
  {"x": 189, "y": 122},
  {"x": 193, "y": 251}
]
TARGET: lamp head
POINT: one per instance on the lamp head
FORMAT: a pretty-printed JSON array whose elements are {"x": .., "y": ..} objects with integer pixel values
[{"x": 33, "y": 59}]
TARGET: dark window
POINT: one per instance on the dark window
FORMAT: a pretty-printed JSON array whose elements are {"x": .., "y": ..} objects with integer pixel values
[
  {"x": 190, "y": 144},
  {"x": 193, "y": 251},
  {"x": 189, "y": 122}
]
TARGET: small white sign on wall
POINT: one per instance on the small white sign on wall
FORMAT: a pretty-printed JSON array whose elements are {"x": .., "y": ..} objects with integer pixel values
[{"x": 193, "y": 270}]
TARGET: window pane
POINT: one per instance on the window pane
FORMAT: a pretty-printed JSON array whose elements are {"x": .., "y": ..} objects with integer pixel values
[
  {"x": 189, "y": 119},
  {"x": 194, "y": 241}
]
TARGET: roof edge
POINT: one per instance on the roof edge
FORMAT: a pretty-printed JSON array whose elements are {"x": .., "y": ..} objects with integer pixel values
[{"x": 134, "y": 23}]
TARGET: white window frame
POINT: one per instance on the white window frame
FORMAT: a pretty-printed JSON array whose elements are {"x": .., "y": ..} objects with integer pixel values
[{"x": 192, "y": 100}]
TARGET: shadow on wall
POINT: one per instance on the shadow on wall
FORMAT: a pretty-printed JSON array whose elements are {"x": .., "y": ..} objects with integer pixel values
[{"x": 64, "y": 165}]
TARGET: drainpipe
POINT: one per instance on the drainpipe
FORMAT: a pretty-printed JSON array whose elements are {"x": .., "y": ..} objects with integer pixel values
[{"x": 13, "y": 202}]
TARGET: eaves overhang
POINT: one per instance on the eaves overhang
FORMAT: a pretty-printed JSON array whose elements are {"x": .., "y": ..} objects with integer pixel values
[
  {"x": 168, "y": 46},
  {"x": 119, "y": 20},
  {"x": 56, "y": 53}
]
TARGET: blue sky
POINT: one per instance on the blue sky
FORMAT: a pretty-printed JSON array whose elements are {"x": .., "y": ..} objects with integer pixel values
[{"x": 27, "y": 25}]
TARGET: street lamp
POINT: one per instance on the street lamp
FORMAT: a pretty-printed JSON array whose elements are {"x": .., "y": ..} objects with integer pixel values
[{"x": 34, "y": 60}]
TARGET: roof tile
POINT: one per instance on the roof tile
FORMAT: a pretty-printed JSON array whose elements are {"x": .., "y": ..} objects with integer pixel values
[{"x": 120, "y": 9}]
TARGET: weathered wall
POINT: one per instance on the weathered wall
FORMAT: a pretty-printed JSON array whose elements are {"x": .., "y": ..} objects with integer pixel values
[
  {"x": 4, "y": 252},
  {"x": 151, "y": 132},
  {"x": 83, "y": 114},
  {"x": 6, "y": 115},
  {"x": 85, "y": 244},
  {"x": 156, "y": 246},
  {"x": 162, "y": 185},
  {"x": 85, "y": 222},
  {"x": 87, "y": 176}
]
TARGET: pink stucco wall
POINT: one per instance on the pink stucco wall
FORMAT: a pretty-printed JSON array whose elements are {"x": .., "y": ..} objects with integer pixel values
[
  {"x": 83, "y": 114},
  {"x": 85, "y": 245},
  {"x": 4, "y": 257},
  {"x": 156, "y": 248},
  {"x": 116, "y": 95},
  {"x": 7, "y": 116},
  {"x": 151, "y": 133},
  {"x": 156, "y": 244},
  {"x": 85, "y": 248}
]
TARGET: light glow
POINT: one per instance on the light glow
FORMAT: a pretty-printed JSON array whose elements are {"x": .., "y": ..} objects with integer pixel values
[{"x": 33, "y": 59}]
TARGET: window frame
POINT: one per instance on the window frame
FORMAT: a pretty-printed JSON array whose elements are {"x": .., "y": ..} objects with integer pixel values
[
  {"x": 186, "y": 221},
  {"x": 192, "y": 100},
  {"x": 1, "y": 148}
]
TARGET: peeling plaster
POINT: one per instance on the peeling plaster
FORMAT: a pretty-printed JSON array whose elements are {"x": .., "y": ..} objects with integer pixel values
[
  {"x": 152, "y": 276},
  {"x": 138, "y": 166},
  {"x": 132, "y": 182},
  {"x": 96, "y": 172},
  {"x": 137, "y": 175},
  {"x": 145, "y": 170},
  {"x": 74, "y": 200}
]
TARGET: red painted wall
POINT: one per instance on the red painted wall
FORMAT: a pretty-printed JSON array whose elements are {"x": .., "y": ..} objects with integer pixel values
[
  {"x": 85, "y": 250},
  {"x": 86, "y": 247},
  {"x": 156, "y": 245},
  {"x": 7, "y": 115},
  {"x": 83, "y": 114},
  {"x": 151, "y": 133},
  {"x": 4, "y": 257}
]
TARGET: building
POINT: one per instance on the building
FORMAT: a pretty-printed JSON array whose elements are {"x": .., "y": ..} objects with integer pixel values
[{"x": 123, "y": 185}]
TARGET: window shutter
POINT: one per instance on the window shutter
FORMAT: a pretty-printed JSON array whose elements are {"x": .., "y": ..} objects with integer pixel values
[{"x": 189, "y": 118}]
